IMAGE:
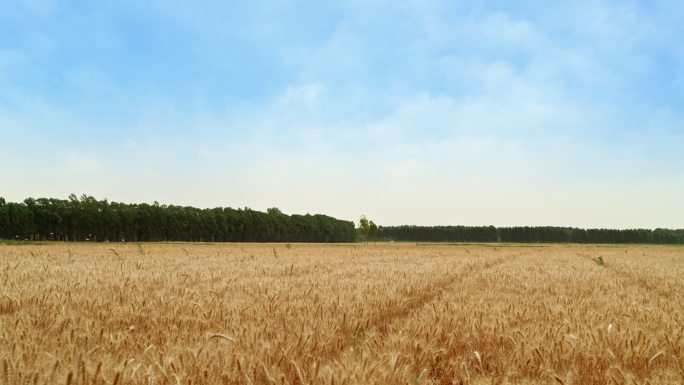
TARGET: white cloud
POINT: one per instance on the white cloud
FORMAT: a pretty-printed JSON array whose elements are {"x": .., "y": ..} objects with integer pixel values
[
  {"x": 439, "y": 117},
  {"x": 305, "y": 95}
]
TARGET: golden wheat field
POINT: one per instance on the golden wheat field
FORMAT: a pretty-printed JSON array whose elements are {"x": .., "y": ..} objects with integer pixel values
[{"x": 340, "y": 314}]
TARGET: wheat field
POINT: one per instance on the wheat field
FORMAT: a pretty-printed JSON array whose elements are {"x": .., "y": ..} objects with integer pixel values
[{"x": 341, "y": 314}]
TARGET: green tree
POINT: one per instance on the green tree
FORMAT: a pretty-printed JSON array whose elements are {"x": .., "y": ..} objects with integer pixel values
[
  {"x": 372, "y": 230},
  {"x": 367, "y": 228},
  {"x": 85, "y": 218},
  {"x": 21, "y": 221},
  {"x": 5, "y": 225}
]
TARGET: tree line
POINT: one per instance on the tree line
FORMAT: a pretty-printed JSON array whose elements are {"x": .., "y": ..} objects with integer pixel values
[
  {"x": 88, "y": 219},
  {"x": 527, "y": 234}
]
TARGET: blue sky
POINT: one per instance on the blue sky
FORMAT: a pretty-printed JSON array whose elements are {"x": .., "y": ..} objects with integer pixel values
[{"x": 422, "y": 112}]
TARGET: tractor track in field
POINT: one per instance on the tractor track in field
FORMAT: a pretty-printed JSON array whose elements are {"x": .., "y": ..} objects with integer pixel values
[{"x": 385, "y": 319}]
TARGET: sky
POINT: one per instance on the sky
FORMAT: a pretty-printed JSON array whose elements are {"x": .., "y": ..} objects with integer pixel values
[{"x": 415, "y": 112}]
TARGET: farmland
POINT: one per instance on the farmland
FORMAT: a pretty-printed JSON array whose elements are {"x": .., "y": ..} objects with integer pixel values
[{"x": 345, "y": 313}]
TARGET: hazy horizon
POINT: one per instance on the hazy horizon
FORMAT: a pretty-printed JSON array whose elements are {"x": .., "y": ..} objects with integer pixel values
[{"x": 425, "y": 113}]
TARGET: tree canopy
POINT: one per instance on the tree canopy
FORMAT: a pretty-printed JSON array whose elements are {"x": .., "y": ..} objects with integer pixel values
[
  {"x": 88, "y": 219},
  {"x": 85, "y": 218},
  {"x": 367, "y": 229},
  {"x": 527, "y": 234}
]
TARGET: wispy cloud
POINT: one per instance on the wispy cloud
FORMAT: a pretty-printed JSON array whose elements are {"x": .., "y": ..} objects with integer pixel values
[{"x": 427, "y": 112}]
